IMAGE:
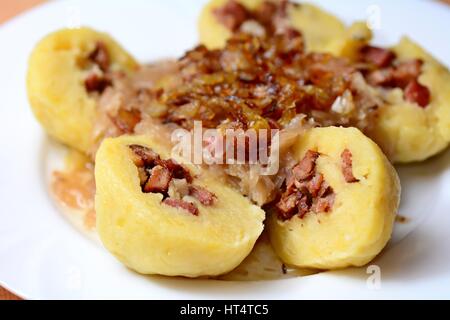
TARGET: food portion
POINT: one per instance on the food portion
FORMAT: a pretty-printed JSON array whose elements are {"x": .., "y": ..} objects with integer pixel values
[
  {"x": 220, "y": 19},
  {"x": 267, "y": 82},
  {"x": 414, "y": 123},
  {"x": 338, "y": 204},
  {"x": 160, "y": 217},
  {"x": 67, "y": 69},
  {"x": 270, "y": 82},
  {"x": 405, "y": 133},
  {"x": 291, "y": 73}
]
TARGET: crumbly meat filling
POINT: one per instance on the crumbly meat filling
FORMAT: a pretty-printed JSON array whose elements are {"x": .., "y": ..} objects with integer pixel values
[
  {"x": 169, "y": 178},
  {"x": 305, "y": 190},
  {"x": 384, "y": 70},
  {"x": 98, "y": 77}
]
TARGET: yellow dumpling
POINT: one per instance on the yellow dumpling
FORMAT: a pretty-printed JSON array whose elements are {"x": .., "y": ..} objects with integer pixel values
[
  {"x": 406, "y": 131},
  {"x": 318, "y": 27},
  {"x": 57, "y": 70},
  {"x": 152, "y": 237},
  {"x": 351, "y": 222},
  {"x": 350, "y": 43}
]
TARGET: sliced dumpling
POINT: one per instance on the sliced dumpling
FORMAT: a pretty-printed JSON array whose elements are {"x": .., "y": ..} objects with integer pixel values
[
  {"x": 338, "y": 204},
  {"x": 159, "y": 217},
  {"x": 66, "y": 70},
  {"x": 221, "y": 18},
  {"x": 414, "y": 122}
]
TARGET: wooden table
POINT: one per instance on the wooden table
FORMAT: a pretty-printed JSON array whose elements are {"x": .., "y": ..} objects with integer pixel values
[{"x": 8, "y": 9}]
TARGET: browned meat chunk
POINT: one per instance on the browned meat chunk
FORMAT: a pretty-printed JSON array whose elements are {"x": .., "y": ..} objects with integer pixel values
[
  {"x": 126, "y": 120},
  {"x": 231, "y": 15},
  {"x": 201, "y": 194},
  {"x": 377, "y": 56},
  {"x": 381, "y": 77},
  {"x": 176, "y": 203},
  {"x": 306, "y": 167},
  {"x": 287, "y": 205},
  {"x": 407, "y": 71},
  {"x": 315, "y": 184},
  {"x": 417, "y": 93},
  {"x": 159, "y": 180},
  {"x": 304, "y": 206},
  {"x": 347, "y": 166},
  {"x": 177, "y": 170},
  {"x": 143, "y": 156},
  {"x": 100, "y": 56},
  {"x": 96, "y": 83}
]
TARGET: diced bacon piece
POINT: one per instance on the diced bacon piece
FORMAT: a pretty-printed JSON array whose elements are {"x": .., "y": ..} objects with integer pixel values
[
  {"x": 201, "y": 194},
  {"x": 417, "y": 93},
  {"x": 381, "y": 77},
  {"x": 306, "y": 166},
  {"x": 181, "y": 204},
  {"x": 96, "y": 83},
  {"x": 315, "y": 184},
  {"x": 231, "y": 15},
  {"x": 347, "y": 166},
  {"x": 287, "y": 205},
  {"x": 126, "y": 120},
  {"x": 100, "y": 56},
  {"x": 178, "y": 171},
  {"x": 380, "y": 57},
  {"x": 143, "y": 156},
  {"x": 265, "y": 11},
  {"x": 303, "y": 206},
  {"x": 407, "y": 71},
  {"x": 325, "y": 189},
  {"x": 159, "y": 180}
]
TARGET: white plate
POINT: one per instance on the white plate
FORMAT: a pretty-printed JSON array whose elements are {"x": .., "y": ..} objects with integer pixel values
[{"x": 43, "y": 256}]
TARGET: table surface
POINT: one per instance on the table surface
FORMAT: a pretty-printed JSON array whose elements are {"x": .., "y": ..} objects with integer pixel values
[{"x": 8, "y": 9}]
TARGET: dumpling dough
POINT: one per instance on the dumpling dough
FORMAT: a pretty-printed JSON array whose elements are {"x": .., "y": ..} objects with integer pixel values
[
  {"x": 55, "y": 82},
  {"x": 406, "y": 131},
  {"x": 354, "y": 38},
  {"x": 359, "y": 221},
  {"x": 154, "y": 238},
  {"x": 318, "y": 27}
]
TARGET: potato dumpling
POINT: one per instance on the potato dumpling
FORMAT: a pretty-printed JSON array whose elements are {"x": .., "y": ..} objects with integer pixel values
[
  {"x": 318, "y": 27},
  {"x": 339, "y": 202},
  {"x": 196, "y": 227},
  {"x": 407, "y": 131},
  {"x": 57, "y": 81}
]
